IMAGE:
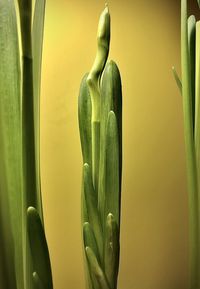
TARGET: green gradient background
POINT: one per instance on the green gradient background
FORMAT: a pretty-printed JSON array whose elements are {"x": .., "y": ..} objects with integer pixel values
[{"x": 145, "y": 43}]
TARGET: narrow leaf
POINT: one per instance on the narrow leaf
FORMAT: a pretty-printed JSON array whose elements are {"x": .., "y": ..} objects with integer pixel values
[
  {"x": 197, "y": 125},
  {"x": 91, "y": 204},
  {"x": 190, "y": 150},
  {"x": 39, "y": 248},
  {"x": 89, "y": 239},
  {"x": 111, "y": 251},
  {"x": 84, "y": 116},
  {"x": 192, "y": 51},
  {"x": 111, "y": 99},
  {"x": 177, "y": 79},
  {"x": 96, "y": 269},
  {"x": 84, "y": 218},
  {"x": 37, "y": 44},
  {"x": 197, "y": 104},
  {"x": 93, "y": 80},
  {"x": 28, "y": 132},
  {"x": 112, "y": 190}
]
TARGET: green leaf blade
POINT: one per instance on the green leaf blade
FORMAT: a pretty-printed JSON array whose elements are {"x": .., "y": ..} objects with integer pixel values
[
  {"x": 89, "y": 239},
  {"x": 96, "y": 269},
  {"x": 177, "y": 79},
  {"x": 190, "y": 149},
  {"x": 37, "y": 44},
  {"x": 84, "y": 117},
  {"x": 112, "y": 185},
  {"x": 111, "y": 251},
  {"x": 10, "y": 145},
  {"x": 39, "y": 248},
  {"x": 91, "y": 205},
  {"x": 191, "y": 22},
  {"x": 111, "y": 99}
]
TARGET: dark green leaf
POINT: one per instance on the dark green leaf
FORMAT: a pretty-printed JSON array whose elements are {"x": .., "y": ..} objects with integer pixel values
[
  {"x": 39, "y": 248},
  {"x": 37, "y": 282}
]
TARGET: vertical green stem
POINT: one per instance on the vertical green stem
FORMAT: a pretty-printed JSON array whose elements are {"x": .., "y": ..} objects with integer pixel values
[
  {"x": 28, "y": 105},
  {"x": 93, "y": 80},
  {"x": 28, "y": 132},
  {"x": 190, "y": 150}
]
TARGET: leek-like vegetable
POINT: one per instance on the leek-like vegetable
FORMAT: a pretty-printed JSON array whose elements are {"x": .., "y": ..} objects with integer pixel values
[
  {"x": 19, "y": 149},
  {"x": 189, "y": 86},
  {"x": 100, "y": 117}
]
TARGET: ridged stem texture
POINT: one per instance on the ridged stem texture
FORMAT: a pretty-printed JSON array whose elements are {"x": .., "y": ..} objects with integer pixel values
[{"x": 100, "y": 117}]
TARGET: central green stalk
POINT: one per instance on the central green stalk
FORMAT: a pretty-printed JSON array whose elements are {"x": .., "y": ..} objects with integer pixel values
[
  {"x": 93, "y": 81},
  {"x": 100, "y": 107}
]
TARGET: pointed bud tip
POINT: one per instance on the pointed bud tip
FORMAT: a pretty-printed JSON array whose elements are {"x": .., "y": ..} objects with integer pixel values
[
  {"x": 85, "y": 165},
  {"x": 31, "y": 209},
  {"x": 85, "y": 224},
  {"x": 106, "y": 7}
]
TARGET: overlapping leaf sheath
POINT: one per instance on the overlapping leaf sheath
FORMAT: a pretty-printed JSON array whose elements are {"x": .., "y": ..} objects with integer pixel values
[
  {"x": 19, "y": 149},
  {"x": 42, "y": 276},
  {"x": 100, "y": 124},
  {"x": 189, "y": 87}
]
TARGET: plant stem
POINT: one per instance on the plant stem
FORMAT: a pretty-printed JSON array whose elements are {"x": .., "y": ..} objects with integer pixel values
[
  {"x": 190, "y": 151},
  {"x": 28, "y": 131}
]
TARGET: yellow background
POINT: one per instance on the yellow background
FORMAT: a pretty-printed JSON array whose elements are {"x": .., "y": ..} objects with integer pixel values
[{"x": 145, "y": 42}]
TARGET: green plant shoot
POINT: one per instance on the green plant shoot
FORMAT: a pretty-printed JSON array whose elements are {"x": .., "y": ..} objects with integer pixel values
[
  {"x": 100, "y": 124},
  {"x": 189, "y": 87}
]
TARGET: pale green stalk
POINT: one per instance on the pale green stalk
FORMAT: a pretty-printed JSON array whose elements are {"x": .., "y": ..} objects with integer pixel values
[
  {"x": 100, "y": 104},
  {"x": 28, "y": 130},
  {"x": 37, "y": 44},
  {"x": 190, "y": 151},
  {"x": 93, "y": 81},
  {"x": 189, "y": 87}
]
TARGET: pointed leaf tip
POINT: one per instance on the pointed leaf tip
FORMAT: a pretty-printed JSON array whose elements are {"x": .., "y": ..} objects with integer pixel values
[
  {"x": 177, "y": 79},
  {"x": 31, "y": 210}
]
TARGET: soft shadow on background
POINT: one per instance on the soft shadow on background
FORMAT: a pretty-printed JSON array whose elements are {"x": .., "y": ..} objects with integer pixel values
[{"x": 145, "y": 42}]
